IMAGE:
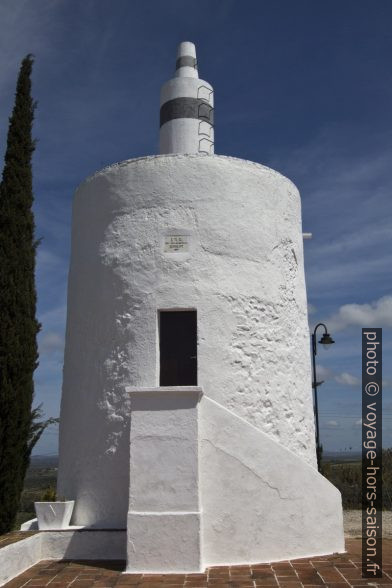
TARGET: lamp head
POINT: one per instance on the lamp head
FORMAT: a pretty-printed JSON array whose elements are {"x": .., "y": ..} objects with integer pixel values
[{"x": 326, "y": 340}]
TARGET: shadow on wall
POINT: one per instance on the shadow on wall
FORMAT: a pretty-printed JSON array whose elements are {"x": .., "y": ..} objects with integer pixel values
[
  {"x": 101, "y": 499},
  {"x": 87, "y": 544}
]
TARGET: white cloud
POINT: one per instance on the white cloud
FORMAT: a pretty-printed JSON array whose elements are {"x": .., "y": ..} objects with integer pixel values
[
  {"x": 47, "y": 260},
  {"x": 375, "y": 314},
  {"x": 345, "y": 274},
  {"x": 332, "y": 423},
  {"x": 323, "y": 373},
  {"x": 376, "y": 234},
  {"x": 347, "y": 379},
  {"x": 311, "y": 308},
  {"x": 53, "y": 317},
  {"x": 358, "y": 423},
  {"x": 346, "y": 200},
  {"x": 51, "y": 342},
  {"x": 25, "y": 27}
]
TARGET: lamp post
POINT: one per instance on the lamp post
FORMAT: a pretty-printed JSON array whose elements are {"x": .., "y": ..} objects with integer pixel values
[{"x": 325, "y": 340}]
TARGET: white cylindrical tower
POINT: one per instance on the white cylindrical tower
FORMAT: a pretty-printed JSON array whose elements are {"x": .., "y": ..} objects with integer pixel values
[
  {"x": 216, "y": 238},
  {"x": 216, "y": 235},
  {"x": 186, "y": 115}
]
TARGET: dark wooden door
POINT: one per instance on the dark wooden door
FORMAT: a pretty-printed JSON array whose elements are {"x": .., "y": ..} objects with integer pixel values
[{"x": 178, "y": 348}]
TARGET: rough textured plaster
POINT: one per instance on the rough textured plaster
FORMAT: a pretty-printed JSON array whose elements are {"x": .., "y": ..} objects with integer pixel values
[
  {"x": 260, "y": 501},
  {"x": 84, "y": 544},
  {"x": 245, "y": 277}
]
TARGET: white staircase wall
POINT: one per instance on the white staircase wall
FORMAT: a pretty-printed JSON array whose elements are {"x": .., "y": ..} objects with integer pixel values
[
  {"x": 260, "y": 502},
  {"x": 163, "y": 531}
]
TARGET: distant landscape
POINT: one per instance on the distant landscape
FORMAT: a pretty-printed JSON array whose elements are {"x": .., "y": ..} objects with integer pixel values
[
  {"x": 343, "y": 469},
  {"x": 342, "y": 456},
  {"x": 345, "y": 472},
  {"x": 41, "y": 475}
]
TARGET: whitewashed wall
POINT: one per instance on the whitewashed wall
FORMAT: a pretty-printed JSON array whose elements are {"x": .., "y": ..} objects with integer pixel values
[
  {"x": 243, "y": 273},
  {"x": 261, "y": 502}
]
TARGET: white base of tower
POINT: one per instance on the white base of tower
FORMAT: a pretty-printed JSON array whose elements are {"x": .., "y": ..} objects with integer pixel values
[
  {"x": 164, "y": 522},
  {"x": 259, "y": 502},
  {"x": 159, "y": 543}
]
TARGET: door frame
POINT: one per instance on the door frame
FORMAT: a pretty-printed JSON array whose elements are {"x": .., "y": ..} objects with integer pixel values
[{"x": 158, "y": 339}]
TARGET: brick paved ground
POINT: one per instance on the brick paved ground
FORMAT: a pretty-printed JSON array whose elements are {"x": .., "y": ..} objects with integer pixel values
[{"x": 332, "y": 571}]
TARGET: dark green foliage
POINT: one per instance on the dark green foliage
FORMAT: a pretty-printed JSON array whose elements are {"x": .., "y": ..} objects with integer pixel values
[
  {"x": 347, "y": 477},
  {"x": 49, "y": 495},
  {"x": 18, "y": 325},
  {"x": 319, "y": 455},
  {"x": 37, "y": 427}
]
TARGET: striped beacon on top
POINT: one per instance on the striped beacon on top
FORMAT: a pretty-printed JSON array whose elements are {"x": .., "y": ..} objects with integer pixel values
[{"x": 187, "y": 108}]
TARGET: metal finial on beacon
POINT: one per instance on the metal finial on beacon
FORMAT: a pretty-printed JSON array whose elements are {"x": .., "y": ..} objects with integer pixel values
[{"x": 187, "y": 107}]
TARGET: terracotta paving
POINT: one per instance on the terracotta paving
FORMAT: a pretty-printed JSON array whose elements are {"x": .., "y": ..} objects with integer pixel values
[{"x": 333, "y": 571}]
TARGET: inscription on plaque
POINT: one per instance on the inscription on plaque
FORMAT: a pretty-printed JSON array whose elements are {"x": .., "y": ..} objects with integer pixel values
[{"x": 176, "y": 243}]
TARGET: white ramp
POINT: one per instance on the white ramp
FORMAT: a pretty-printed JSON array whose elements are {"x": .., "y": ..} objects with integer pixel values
[{"x": 260, "y": 502}]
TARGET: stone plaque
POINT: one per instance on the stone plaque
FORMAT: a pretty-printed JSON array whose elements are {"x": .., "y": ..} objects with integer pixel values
[{"x": 176, "y": 243}]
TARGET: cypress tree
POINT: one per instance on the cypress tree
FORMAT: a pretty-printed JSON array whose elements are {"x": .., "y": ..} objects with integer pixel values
[{"x": 18, "y": 324}]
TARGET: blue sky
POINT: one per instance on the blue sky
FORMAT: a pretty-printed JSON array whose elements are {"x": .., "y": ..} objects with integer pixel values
[{"x": 302, "y": 86}]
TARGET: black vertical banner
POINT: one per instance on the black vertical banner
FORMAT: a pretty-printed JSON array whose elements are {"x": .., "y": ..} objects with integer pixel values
[{"x": 371, "y": 453}]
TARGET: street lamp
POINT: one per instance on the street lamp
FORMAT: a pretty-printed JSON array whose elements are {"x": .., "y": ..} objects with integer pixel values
[{"x": 326, "y": 340}]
